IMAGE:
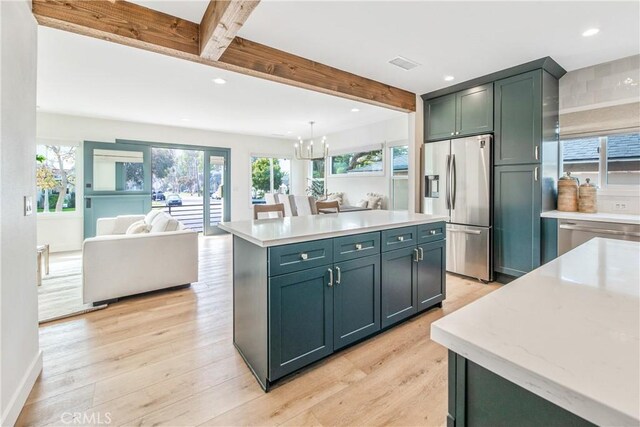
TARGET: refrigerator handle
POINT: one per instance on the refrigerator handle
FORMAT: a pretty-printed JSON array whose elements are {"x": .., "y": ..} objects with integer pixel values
[
  {"x": 454, "y": 180},
  {"x": 448, "y": 186}
]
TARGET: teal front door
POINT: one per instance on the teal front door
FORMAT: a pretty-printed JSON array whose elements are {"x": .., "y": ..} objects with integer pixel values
[
  {"x": 117, "y": 181},
  {"x": 217, "y": 205}
]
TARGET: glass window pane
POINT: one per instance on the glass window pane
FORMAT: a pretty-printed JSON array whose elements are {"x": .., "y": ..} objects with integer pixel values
[
  {"x": 118, "y": 170},
  {"x": 317, "y": 168},
  {"x": 400, "y": 195},
  {"x": 269, "y": 175},
  {"x": 358, "y": 162},
  {"x": 56, "y": 178},
  {"x": 623, "y": 159},
  {"x": 400, "y": 160},
  {"x": 581, "y": 157}
]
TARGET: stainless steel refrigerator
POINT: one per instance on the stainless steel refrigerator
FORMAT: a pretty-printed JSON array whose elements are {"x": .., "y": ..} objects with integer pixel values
[{"x": 457, "y": 184}]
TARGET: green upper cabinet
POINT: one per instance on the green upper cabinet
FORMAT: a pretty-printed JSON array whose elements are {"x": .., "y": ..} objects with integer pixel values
[
  {"x": 518, "y": 115},
  {"x": 469, "y": 112},
  {"x": 440, "y": 115},
  {"x": 474, "y": 110}
]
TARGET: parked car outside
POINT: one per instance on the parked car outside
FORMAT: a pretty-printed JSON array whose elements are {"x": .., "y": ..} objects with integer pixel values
[
  {"x": 174, "y": 200},
  {"x": 157, "y": 196}
]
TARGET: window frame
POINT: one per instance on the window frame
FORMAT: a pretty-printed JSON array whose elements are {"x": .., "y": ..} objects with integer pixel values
[
  {"x": 603, "y": 187},
  {"x": 269, "y": 156},
  {"x": 393, "y": 177},
  {"x": 382, "y": 172}
]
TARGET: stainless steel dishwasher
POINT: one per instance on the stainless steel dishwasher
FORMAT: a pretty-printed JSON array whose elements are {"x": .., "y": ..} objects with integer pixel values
[{"x": 572, "y": 233}]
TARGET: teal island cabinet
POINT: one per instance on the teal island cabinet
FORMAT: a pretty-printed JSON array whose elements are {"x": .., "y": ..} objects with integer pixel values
[{"x": 305, "y": 287}]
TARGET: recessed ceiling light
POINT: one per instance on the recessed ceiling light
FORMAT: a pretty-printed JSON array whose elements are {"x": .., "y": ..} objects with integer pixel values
[
  {"x": 219, "y": 81},
  {"x": 448, "y": 78},
  {"x": 355, "y": 110},
  {"x": 591, "y": 32},
  {"x": 289, "y": 132}
]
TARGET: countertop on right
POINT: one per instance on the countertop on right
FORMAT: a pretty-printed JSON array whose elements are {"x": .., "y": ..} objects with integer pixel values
[
  {"x": 568, "y": 331},
  {"x": 599, "y": 217}
]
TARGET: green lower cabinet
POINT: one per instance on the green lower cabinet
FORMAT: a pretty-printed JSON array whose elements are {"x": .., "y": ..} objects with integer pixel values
[
  {"x": 479, "y": 397},
  {"x": 431, "y": 274},
  {"x": 356, "y": 300},
  {"x": 300, "y": 320},
  {"x": 399, "y": 285}
]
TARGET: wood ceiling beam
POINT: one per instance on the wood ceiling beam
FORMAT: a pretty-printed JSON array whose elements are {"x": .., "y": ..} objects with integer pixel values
[
  {"x": 220, "y": 24},
  {"x": 137, "y": 26}
]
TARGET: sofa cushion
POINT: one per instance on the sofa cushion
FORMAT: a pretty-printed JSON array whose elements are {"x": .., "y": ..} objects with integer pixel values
[
  {"x": 335, "y": 196},
  {"x": 153, "y": 214},
  {"x": 374, "y": 201},
  {"x": 163, "y": 223},
  {"x": 138, "y": 227}
]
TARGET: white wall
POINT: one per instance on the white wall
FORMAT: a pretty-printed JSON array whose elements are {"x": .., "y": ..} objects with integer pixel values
[
  {"x": 64, "y": 129},
  {"x": 385, "y": 132},
  {"x": 20, "y": 357},
  {"x": 588, "y": 94}
]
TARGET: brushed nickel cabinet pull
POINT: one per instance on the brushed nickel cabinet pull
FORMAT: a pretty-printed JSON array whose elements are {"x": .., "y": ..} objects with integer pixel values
[
  {"x": 400, "y": 238},
  {"x": 339, "y": 278},
  {"x": 330, "y": 284},
  {"x": 416, "y": 256},
  {"x": 304, "y": 256},
  {"x": 421, "y": 254},
  {"x": 358, "y": 246}
]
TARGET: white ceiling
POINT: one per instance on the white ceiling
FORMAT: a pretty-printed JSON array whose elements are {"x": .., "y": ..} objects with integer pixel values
[
  {"x": 90, "y": 77},
  {"x": 79, "y": 75}
]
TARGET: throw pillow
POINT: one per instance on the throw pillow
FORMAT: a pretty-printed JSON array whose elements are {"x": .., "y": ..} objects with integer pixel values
[
  {"x": 151, "y": 216},
  {"x": 172, "y": 225},
  {"x": 160, "y": 223},
  {"x": 138, "y": 227},
  {"x": 374, "y": 201},
  {"x": 362, "y": 204}
]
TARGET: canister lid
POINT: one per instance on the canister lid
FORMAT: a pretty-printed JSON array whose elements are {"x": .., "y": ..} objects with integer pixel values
[{"x": 588, "y": 183}]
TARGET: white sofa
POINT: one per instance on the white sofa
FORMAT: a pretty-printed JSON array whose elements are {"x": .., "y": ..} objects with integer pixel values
[{"x": 116, "y": 264}]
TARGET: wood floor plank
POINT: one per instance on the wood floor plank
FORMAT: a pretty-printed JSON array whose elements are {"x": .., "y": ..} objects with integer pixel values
[{"x": 167, "y": 358}]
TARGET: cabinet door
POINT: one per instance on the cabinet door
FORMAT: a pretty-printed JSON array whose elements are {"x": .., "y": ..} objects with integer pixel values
[
  {"x": 518, "y": 130},
  {"x": 398, "y": 286},
  {"x": 356, "y": 300},
  {"x": 517, "y": 219},
  {"x": 300, "y": 320},
  {"x": 474, "y": 110},
  {"x": 431, "y": 274},
  {"x": 440, "y": 117}
]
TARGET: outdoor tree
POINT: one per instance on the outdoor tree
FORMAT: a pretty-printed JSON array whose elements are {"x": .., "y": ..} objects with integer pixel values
[
  {"x": 261, "y": 174},
  {"x": 45, "y": 180},
  {"x": 189, "y": 169},
  {"x": 162, "y": 160},
  {"x": 56, "y": 172}
]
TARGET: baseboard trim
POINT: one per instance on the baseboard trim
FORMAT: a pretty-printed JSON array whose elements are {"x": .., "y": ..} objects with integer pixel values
[{"x": 19, "y": 398}]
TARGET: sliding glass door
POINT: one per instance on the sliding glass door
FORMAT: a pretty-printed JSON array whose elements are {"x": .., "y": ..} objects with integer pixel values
[{"x": 217, "y": 186}]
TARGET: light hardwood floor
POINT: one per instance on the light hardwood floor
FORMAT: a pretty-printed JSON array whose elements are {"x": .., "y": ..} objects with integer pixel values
[{"x": 167, "y": 359}]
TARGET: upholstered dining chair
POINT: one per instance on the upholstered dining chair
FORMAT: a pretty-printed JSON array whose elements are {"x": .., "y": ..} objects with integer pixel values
[
  {"x": 328, "y": 207},
  {"x": 266, "y": 211}
]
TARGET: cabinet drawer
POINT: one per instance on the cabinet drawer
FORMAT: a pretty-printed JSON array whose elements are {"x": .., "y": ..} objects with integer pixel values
[
  {"x": 398, "y": 238},
  {"x": 300, "y": 256},
  {"x": 358, "y": 246},
  {"x": 431, "y": 232}
]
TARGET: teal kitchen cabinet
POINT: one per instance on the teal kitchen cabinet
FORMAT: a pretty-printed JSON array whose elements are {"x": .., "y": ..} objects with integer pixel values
[
  {"x": 440, "y": 114},
  {"x": 431, "y": 278},
  {"x": 474, "y": 110},
  {"x": 356, "y": 300},
  {"x": 468, "y": 112},
  {"x": 300, "y": 319},
  {"x": 518, "y": 119},
  {"x": 517, "y": 208},
  {"x": 413, "y": 277},
  {"x": 399, "y": 285}
]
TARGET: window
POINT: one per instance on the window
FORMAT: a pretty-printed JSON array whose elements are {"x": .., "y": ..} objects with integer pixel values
[
  {"x": 360, "y": 162},
  {"x": 316, "y": 178},
  {"x": 56, "y": 178},
  {"x": 608, "y": 160},
  {"x": 400, "y": 178},
  {"x": 269, "y": 175}
]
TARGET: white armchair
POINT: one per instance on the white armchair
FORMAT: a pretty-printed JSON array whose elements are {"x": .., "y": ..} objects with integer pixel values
[{"x": 115, "y": 264}]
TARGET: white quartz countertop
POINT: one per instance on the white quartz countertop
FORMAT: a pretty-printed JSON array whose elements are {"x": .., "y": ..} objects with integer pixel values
[
  {"x": 281, "y": 231},
  {"x": 568, "y": 331},
  {"x": 600, "y": 216}
]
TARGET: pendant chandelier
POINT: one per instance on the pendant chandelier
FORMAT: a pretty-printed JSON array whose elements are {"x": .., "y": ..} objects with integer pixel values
[{"x": 307, "y": 150}]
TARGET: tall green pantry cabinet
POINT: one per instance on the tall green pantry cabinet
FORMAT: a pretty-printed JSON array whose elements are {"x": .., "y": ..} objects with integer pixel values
[{"x": 524, "y": 121}]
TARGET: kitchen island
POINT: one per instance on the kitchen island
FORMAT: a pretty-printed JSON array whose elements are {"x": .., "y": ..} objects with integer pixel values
[
  {"x": 558, "y": 346},
  {"x": 305, "y": 287}
]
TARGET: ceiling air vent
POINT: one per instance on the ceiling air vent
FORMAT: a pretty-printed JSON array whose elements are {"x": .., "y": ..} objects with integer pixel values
[{"x": 404, "y": 63}]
